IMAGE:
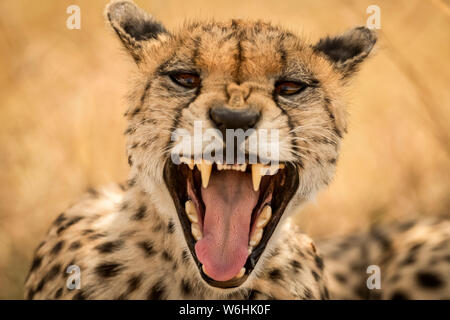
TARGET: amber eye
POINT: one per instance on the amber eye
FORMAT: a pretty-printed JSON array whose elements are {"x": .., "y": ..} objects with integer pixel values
[
  {"x": 287, "y": 88},
  {"x": 187, "y": 80}
]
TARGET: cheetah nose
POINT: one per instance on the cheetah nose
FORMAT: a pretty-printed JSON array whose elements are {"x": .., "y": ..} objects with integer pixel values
[{"x": 227, "y": 118}]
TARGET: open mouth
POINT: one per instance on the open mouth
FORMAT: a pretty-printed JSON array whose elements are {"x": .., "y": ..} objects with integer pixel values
[{"x": 228, "y": 213}]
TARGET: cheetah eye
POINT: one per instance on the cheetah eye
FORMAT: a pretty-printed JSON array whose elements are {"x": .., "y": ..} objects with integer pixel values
[
  {"x": 187, "y": 80},
  {"x": 288, "y": 88}
]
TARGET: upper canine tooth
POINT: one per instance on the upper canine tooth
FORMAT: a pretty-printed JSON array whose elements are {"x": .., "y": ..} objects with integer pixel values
[
  {"x": 205, "y": 169},
  {"x": 256, "y": 175},
  {"x": 256, "y": 237},
  {"x": 264, "y": 217},
  {"x": 191, "y": 212},
  {"x": 196, "y": 232}
]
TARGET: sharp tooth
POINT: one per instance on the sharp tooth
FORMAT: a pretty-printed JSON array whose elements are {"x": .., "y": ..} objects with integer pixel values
[
  {"x": 264, "y": 217},
  {"x": 240, "y": 274},
  {"x": 219, "y": 166},
  {"x": 256, "y": 237},
  {"x": 256, "y": 175},
  {"x": 191, "y": 165},
  {"x": 196, "y": 232},
  {"x": 206, "y": 168},
  {"x": 191, "y": 212}
]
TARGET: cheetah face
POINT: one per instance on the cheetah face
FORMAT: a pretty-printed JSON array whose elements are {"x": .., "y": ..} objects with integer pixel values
[{"x": 247, "y": 76}]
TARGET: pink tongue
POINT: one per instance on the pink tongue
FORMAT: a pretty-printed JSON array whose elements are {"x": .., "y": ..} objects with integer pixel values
[{"x": 229, "y": 201}]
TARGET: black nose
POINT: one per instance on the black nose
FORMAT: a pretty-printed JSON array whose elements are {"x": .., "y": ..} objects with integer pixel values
[{"x": 226, "y": 118}]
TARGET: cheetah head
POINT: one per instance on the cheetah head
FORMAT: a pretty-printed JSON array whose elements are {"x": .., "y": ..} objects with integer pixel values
[{"x": 236, "y": 76}]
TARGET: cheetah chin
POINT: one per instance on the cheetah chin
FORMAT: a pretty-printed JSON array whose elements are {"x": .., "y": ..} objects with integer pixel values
[{"x": 228, "y": 213}]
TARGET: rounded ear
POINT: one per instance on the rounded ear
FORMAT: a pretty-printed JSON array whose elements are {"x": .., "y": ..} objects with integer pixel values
[
  {"x": 133, "y": 26},
  {"x": 348, "y": 50}
]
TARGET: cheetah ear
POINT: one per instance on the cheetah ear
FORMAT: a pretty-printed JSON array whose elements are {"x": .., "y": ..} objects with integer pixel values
[
  {"x": 348, "y": 50},
  {"x": 133, "y": 25}
]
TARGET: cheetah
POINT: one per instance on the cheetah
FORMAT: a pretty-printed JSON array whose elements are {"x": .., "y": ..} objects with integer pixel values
[{"x": 195, "y": 228}]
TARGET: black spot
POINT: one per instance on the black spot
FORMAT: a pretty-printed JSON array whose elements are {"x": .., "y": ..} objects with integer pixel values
[
  {"x": 171, "y": 227},
  {"x": 57, "y": 247},
  {"x": 110, "y": 246},
  {"x": 75, "y": 245},
  {"x": 185, "y": 256},
  {"x": 326, "y": 293},
  {"x": 36, "y": 263},
  {"x": 140, "y": 214},
  {"x": 253, "y": 294},
  {"x": 410, "y": 259},
  {"x": 295, "y": 265},
  {"x": 40, "y": 285},
  {"x": 399, "y": 295},
  {"x": 275, "y": 274},
  {"x": 30, "y": 294},
  {"x": 166, "y": 256},
  {"x": 185, "y": 287},
  {"x": 72, "y": 221},
  {"x": 96, "y": 236},
  {"x": 60, "y": 219},
  {"x": 130, "y": 161},
  {"x": 429, "y": 280},
  {"x": 87, "y": 231},
  {"x": 58, "y": 293},
  {"x": 92, "y": 192},
  {"x": 362, "y": 291},
  {"x": 319, "y": 262},
  {"x": 340, "y": 277},
  {"x": 308, "y": 294},
  {"x": 80, "y": 295},
  {"x": 157, "y": 292},
  {"x": 53, "y": 272},
  {"x": 108, "y": 269},
  {"x": 133, "y": 283},
  {"x": 315, "y": 275},
  {"x": 147, "y": 247}
]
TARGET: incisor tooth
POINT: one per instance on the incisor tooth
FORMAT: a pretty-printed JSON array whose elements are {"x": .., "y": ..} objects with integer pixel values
[
  {"x": 196, "y": 232},
  {"x": 256, "y": 175},
  {"x": 205, "y": 170},
  {"x": 256, "y": 237},
  {"x": 240, "y": 274},
  {"x": 191, "y": 212},
  {"x": 264, "y": 217}
]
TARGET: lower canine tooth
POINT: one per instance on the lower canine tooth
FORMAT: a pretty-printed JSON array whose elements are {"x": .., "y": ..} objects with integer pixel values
[
  {"x": 191, "y": 212},
  {"x": 264, "y": 217},
  {"x": 256, "y": 237},
  {"x": 240, "y": 274},
  {"x": 196, "y": 232}
]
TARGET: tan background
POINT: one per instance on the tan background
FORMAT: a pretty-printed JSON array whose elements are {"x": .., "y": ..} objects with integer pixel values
[{"x": 62, "y": 103}]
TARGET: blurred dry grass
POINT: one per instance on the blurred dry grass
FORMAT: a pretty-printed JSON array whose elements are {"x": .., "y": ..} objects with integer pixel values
[{"x": 62, "y": 102}]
